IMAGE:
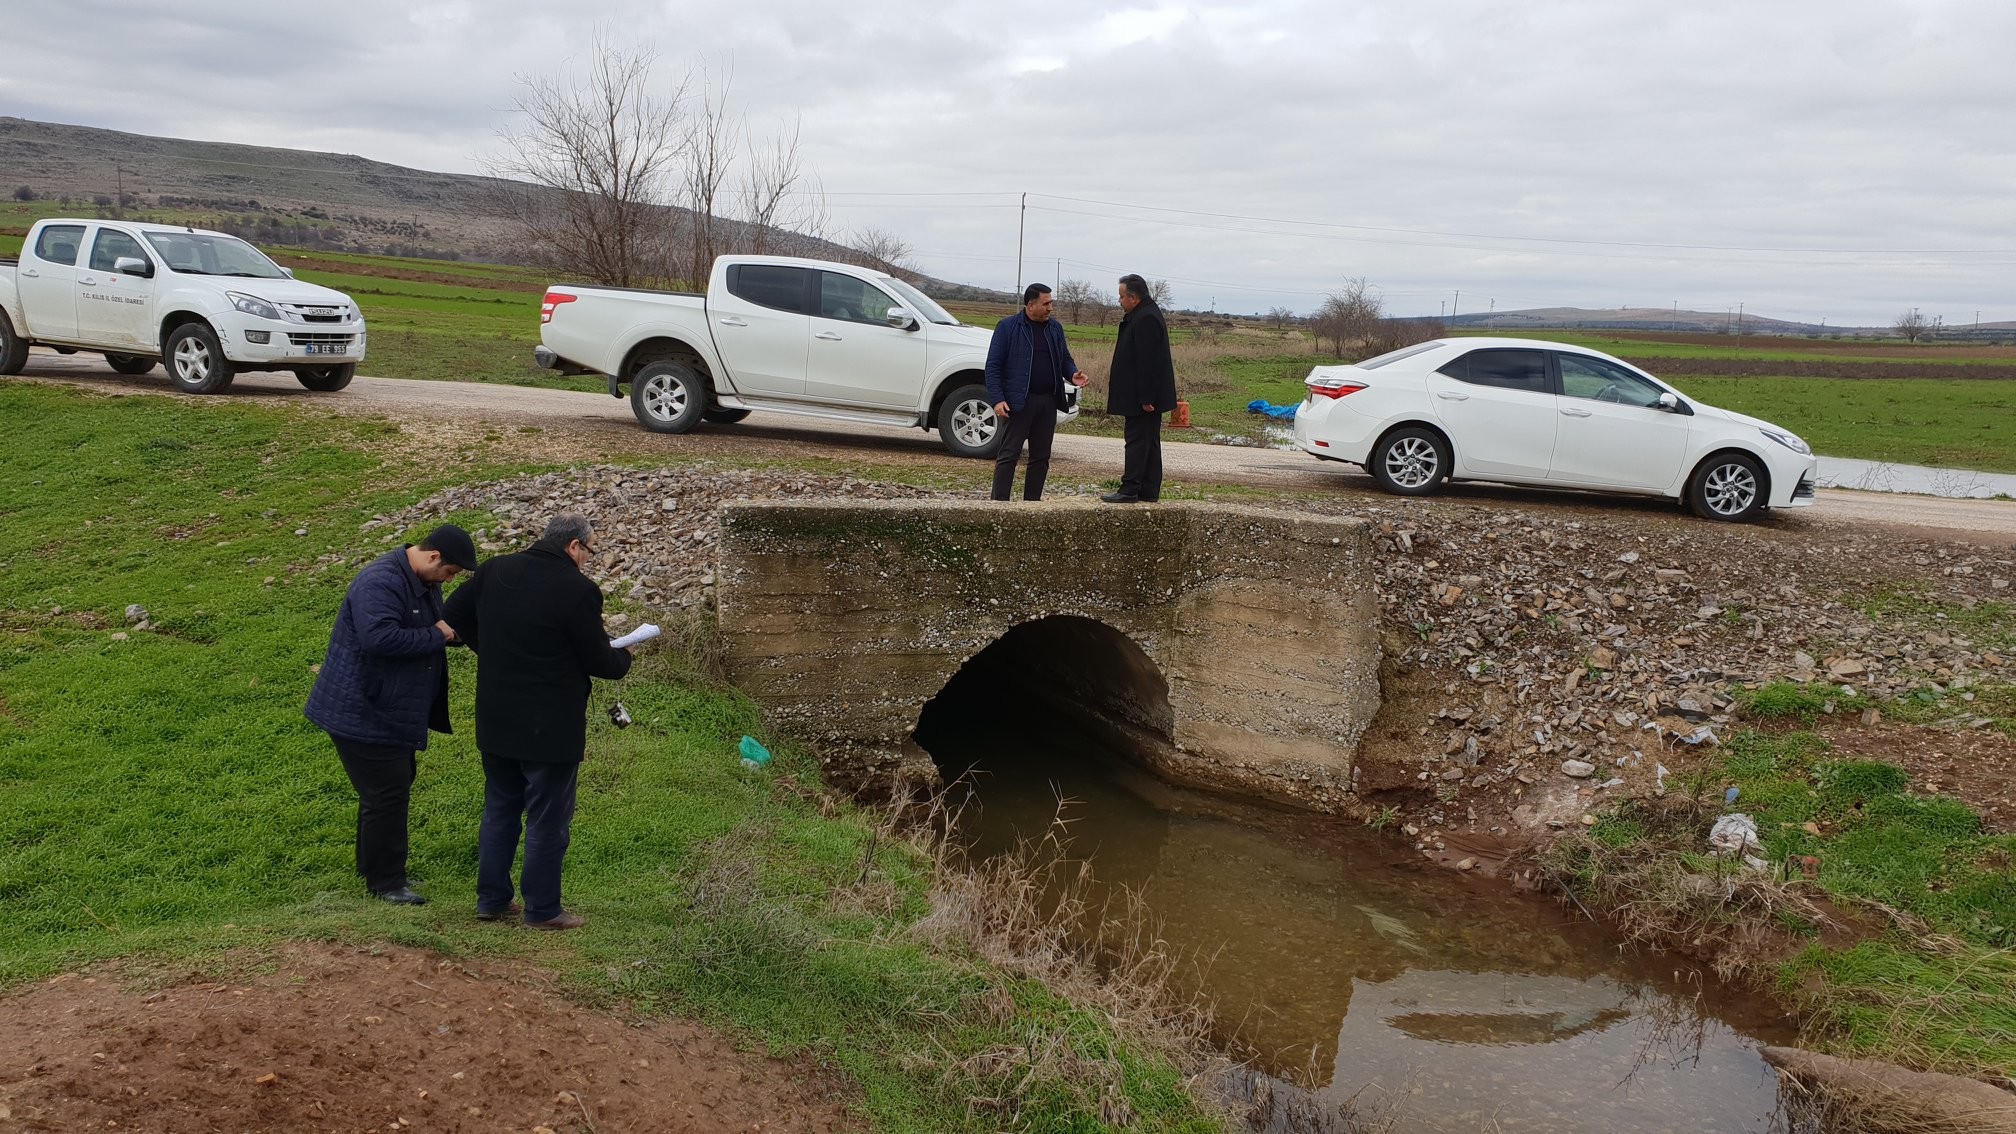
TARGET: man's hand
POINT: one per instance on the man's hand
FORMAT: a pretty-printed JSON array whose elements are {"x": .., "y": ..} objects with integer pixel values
[
  {"x": 447, "y": 631},
  {"x": 1079, "y": 379},
  {"x": 1001, "y": 410},
  {"x": 1147, "y": 407}
]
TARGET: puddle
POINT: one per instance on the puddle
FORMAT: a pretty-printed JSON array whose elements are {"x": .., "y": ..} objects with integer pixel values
[
  {"x": 1449, "y": 999},
  {"x": 1878, "y": 476}
]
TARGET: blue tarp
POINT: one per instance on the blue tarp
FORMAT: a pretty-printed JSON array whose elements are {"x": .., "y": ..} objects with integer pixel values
[{"x": 1261, "y": 405}]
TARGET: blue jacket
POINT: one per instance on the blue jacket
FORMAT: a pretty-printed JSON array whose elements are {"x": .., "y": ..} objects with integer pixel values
[
  {"x": 1012, "y": 351},
  {"x": 385, "y": 678}
]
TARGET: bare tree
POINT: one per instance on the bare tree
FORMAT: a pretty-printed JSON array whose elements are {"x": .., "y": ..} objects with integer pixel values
[
  {"x": 780, "y": 197},
  {"x": 1348, "y": 317},
  {"x": 1911, "y": 326},
  {"x": 712, "y": 137},
  {"x": 602, "y": 154},
  {"x": 1159, "y": 291},
  {"x": 879, "y": 248},
  {"x": 1074, "y": 296},
  {"x": 1279, "y": 317}
]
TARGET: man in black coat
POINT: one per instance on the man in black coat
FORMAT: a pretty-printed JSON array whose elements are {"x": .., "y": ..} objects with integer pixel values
[
  {"x": 1141, "y": 385},
  {"x": 382, "y": 684},
  {"x": 535, "y": 623}
]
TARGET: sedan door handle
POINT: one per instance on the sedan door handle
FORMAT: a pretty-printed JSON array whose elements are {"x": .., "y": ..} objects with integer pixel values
[
  {"x": 1450, "y": 397},
  {"x": 828, "y": 336},
  {"x": 732, "y": 321},
  {"x": 1576, "y": 412}
]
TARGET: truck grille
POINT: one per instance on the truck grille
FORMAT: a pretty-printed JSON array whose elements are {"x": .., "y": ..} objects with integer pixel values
[
  {"x": 319, "y": 340},
  {"x": 317, "y": 312}
]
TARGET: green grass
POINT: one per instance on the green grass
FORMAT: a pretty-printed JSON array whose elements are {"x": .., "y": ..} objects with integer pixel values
[
  {"x": 1946, "y": 423},
  {"x": 1943, "y": 1000},
  {"x": 166, "y": 799}
]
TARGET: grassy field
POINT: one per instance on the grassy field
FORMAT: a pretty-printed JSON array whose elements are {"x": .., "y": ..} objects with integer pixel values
[
  {"x": 1917, "y": 964},
  {"x": 455, "y": 321},
  {"x": 167, "y": 801}
]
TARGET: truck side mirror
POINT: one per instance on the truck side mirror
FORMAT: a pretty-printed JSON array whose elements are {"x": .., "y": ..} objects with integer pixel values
[
  {"x": 901, "y": 319},
  {"x": 133, "y": 266}
]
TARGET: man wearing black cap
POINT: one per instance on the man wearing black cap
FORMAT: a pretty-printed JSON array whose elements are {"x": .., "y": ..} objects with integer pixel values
[{"x": 383, "y": 684}]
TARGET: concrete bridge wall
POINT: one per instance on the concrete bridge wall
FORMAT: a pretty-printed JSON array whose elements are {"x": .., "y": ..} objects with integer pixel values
[{"x": 843, "y": 619}]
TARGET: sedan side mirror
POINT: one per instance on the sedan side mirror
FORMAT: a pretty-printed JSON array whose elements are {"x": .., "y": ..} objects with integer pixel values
[
  {"x": 289, "y": 271},
  {"x": 900, "y": 319},
  {"x": 133, "y": 266},
  {"x": 1669, "y": 403}
]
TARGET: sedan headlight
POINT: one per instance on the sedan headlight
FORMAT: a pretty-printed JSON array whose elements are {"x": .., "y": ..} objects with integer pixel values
[
  {"x": 1790, "y": 441},
  {"x": 252, "y": 305}
]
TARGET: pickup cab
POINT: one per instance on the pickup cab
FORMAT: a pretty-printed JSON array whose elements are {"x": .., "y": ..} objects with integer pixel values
[
  {"x": 785, "y": 335},
  {"x": 208, "y": 303}
]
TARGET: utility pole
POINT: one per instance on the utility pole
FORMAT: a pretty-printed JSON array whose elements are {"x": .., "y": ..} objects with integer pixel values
[
  {"x": 1058, "y": 279},
  {"x": 119, "y": 202},
  {"x": 1739, "y": 324},
  {"x": 1455, "y": 303},
  {"x": 1676, "y": 314},
  {"x": 1021, "y": 229}
]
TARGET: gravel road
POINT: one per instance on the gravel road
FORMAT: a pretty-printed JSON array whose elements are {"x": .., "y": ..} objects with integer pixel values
[{"x": 407, "y": 400}]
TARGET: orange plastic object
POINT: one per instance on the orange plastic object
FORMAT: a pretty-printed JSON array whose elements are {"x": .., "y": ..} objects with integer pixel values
[{"x": 1180, "y": 419}]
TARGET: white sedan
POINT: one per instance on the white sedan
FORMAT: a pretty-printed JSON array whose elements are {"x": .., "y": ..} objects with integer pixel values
[{"x": 1524, "y": 411}]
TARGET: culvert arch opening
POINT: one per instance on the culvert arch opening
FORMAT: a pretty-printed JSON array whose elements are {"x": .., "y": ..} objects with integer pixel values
[{"x": 1061, "y": 688}]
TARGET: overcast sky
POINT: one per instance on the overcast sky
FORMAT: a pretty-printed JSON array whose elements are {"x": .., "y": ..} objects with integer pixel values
[{"x": 1844, "y": 160}]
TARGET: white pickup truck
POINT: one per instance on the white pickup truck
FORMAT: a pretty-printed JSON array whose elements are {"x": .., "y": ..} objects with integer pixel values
[
  {"x": 209, "y": 303},
  {"x": 804, "y": 337}
]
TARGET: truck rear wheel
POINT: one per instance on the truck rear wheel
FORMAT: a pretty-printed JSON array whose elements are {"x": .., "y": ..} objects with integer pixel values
[
  {"x": 129, "y": 363},
  {"x": 13, "y": 348},
  {"x": 196, "y": 361},
  {"x": 967, "y": 425},
  {"x": 667, "y": 397},
  {"x": 326, "y": 379}
]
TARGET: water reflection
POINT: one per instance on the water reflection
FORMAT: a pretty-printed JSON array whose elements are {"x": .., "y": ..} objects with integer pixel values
[{"x": 1341, "y": 959}]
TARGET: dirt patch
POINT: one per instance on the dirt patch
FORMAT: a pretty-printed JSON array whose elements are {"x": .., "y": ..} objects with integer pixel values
[
  {"x": 384, "y": 1039},
  {"x": 1974, "y": 765}
]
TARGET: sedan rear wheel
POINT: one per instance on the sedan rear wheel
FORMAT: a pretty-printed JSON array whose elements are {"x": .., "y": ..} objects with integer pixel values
[
  {"x": 1410, "y": 462},
  {"x": 1729, "y": 486}
]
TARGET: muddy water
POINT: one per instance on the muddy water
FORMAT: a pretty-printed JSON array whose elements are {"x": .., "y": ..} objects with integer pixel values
[{"x": 1448, "y": 1000}]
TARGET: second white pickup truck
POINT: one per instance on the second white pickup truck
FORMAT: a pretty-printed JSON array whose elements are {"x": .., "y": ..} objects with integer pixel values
[
  {"x": 206, "y": 303},
  {"x": 804, "y": 337}
]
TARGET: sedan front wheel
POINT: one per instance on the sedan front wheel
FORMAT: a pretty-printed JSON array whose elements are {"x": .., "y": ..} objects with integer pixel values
[
  {"x": 1730, "y": 486},
  {"x": 1410, "y": 462}
]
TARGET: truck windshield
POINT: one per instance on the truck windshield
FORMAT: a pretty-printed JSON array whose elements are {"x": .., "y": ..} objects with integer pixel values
[
  {"x": 209, "y": 254},
  {"x": 923, "y": 304}
]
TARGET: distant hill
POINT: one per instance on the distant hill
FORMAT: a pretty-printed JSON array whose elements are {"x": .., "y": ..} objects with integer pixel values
[
  {"x": 302, "y": 197},
  {"x": 1641, "y": 319}
]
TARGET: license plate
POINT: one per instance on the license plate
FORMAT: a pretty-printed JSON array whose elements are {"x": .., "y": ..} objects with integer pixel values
[{"x": 323, "y": 348}]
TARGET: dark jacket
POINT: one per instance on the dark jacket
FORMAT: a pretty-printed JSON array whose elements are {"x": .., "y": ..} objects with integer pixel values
[
  {"x": 1013, "y": 350},
  {"x": 385, "y": 677},
  {"x": 1142, "y": 372},
  {"x": 535, "y": 622}
]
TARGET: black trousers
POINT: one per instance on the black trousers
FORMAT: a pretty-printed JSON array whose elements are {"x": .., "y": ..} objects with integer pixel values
[
  {"x": 539, "y": 799},
  {"x": 383, "y": 776},
  {"x": 1141, "y": 468},
  {"x": 1035, "y": 423}
]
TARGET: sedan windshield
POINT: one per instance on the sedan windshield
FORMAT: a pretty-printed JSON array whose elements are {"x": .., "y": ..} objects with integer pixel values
[
  {"x": 209, "y": 254},
  {"x": 923, "y": 304}
]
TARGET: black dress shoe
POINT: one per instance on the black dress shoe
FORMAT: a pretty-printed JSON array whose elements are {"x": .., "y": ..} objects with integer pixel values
[
  {"x": 505, "y": 914},
  {"x": 1120, "y": 498},
  {"x": 403, "y": 896}
]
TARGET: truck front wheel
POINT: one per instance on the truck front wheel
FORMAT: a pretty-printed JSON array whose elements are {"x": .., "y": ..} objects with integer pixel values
[
  {"x": 326, "y": 379},
  {"x": 13, "y": 348},
  {"x": 667, "y": 397},
  {"x": 966, "y": 423},
  {"x": 196, "y": 361}
]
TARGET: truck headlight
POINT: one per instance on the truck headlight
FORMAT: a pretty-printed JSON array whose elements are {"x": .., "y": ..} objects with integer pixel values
[
  {"x": 252, "y": 305},
  {"x": 1788, "y": 440}
]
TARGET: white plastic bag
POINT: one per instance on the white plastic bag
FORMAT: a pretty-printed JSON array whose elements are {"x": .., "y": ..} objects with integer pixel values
[{"x": 1734, "y": 834}]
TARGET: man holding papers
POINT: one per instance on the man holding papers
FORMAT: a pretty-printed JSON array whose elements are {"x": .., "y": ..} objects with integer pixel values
[{"x": 534, "y": 621}]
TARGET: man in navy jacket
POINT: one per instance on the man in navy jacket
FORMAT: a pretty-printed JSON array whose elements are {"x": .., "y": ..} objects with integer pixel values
[
  {"x": 1027, "y": 366},
  {"x": 383, "y": 684}
]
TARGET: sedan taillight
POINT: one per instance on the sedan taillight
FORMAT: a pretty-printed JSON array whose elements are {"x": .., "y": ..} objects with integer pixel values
[
  {"x": 553, "y": 300},
  {"x": 1333, "y": 387}
]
